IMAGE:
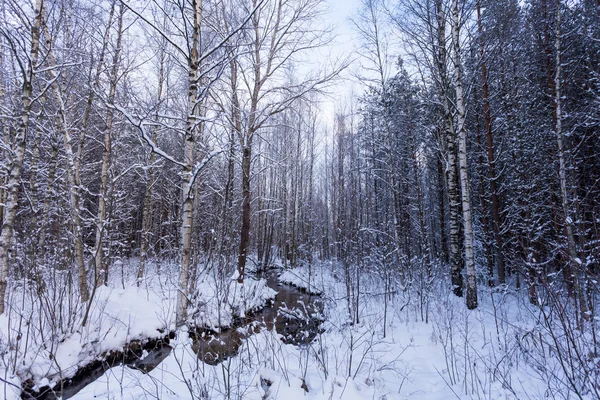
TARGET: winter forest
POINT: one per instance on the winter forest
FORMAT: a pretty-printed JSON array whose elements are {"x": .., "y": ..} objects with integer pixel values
[{"x": 288, "y": 199}]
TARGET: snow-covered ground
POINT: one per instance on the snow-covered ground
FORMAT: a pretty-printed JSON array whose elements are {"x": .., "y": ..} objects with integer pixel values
[
  {"x": 48, "y": 345},
  {"x": 432, "y": 348},
  {"x": 303, "y": 277}
]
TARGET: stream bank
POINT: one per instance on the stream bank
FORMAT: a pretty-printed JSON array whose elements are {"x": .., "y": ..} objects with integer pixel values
[{"x": 293, "y": 313}]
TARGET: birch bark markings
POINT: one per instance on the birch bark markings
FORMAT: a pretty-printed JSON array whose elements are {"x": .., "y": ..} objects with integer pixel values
[
  {"x": 14, "y": 178},
  {"x": 4, "y": 153},
  {"x": 463, "y": 164},
  {"x": 448, "y": 141},
  {"x": 189, "y": 159}
]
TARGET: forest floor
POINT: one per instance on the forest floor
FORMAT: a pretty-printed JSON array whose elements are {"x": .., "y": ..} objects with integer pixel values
[
  {"x": 42, "y": 339},
  {"x": 432, "y": 346}
]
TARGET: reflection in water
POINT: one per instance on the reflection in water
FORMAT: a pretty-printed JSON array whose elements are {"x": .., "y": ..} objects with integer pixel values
[{"x": 294, "y": 314}]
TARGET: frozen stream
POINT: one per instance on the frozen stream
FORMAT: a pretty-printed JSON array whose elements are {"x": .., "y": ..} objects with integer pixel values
[{"x": 295, "y": 315}]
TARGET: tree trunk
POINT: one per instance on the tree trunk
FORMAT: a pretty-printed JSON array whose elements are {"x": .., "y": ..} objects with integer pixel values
[
  {"x": 448, "y": 139},
  {"x": 245, "y": 232},
  {"x": 101, "y": 266},
  {"x": 187, "y": 210},
  {"x": 491, "y": 158},
  {"x": 574, "y": 261},
  {"x": 14, "y": 177},
  {"x": 443, "y": 249},
  {"x": 462, "y": 159}
]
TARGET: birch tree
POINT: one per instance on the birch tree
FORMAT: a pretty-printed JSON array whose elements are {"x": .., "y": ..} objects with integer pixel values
[
  {"x": 28, "y": 66},
  {"x": 204, "y": 61},
  {"x": 462, "y": 160},
  {"x": 427, "y": 38}
]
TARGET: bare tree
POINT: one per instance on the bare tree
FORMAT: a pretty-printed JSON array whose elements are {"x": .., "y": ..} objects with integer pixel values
[
  {"x": 204, "y": 64},
  {"x": 280, "y": 32},
  {"x": 101, "y": 269},
  {"x": 462, "y": 160},
  {"x": 28, "y": 66}
]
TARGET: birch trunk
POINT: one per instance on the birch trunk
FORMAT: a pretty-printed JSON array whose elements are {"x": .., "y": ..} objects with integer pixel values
[
  {"x": 14, "y": 177},
  {"x": 100, "y": 267},
  {"x": 6, "y": 131},
  {"x": 448, "y": 140},
  {"x": 442, "y": 251},
  {"x": 189, "y": 156},
  {"x": 463, "y": 166}
]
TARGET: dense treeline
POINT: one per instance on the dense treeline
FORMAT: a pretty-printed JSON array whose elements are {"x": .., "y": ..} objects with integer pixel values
[
  {"x": 186, "y": 130},
  {"x": 503, "y": 103}
]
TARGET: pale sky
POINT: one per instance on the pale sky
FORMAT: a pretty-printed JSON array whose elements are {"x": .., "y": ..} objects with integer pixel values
[{"x": 344, "y": 45}]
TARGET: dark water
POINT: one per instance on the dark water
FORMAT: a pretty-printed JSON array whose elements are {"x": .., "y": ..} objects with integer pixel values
[
  {"x": 144, "y": 356},
  {"x": 295, "y": 315}
]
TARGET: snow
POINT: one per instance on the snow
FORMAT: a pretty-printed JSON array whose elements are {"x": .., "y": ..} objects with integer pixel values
[
  {"x": 117, "y": 316},
  {"x": 433, "y": 347},
  {"x": 299, "y": 277},
  {"x": 219, "y": 306}
]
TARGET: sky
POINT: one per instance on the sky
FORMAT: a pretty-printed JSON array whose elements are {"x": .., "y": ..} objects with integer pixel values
[{"x": 340, "y": 12}]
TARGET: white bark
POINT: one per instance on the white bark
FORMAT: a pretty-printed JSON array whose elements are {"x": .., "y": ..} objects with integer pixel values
[
  {"x": 448, "y": 141},
  {"x": 463, "y": 165},
  {"x": 14, "y": 178},
  {"x": 188, "y": 173}
]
